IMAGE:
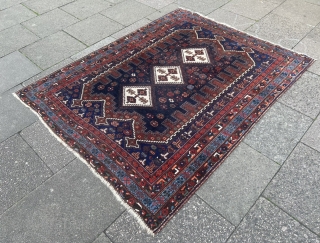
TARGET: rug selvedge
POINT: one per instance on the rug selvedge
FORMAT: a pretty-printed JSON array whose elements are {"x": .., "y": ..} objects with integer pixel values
[{"x": 157, "y": 111}]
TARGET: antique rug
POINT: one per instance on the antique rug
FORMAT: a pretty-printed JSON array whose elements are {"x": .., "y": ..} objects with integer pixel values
[{"x": 157, "y": 111}]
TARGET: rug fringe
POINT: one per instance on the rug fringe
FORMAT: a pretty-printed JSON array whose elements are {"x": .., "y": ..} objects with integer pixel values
[
  {"x": 231, "y": 27},
  {"x": 114, "y": 192}
]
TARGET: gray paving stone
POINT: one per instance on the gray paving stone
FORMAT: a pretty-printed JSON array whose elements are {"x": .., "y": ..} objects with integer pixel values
[
  {"x": 314, "y": 1},
  {"x": 14, "y": 115},
  {"x": 50, "y": 22},
  {"x": 85, "y": 8},
  {"x": 298, "y": 10},
  {"x": 156, "y": 4},
  {"x": 280, "y": 30},
  {"x": 250, "y": 8},
  {"x": 195, "y": 222},
  {"x": 249, "y": 172},
  {"x": 128, "y": 12},
  {"x": 42, "y": 6},
  {"x": 278, "y": 132},
  {"x": 304, "y": 95},
  {"x": 40, "y": 139},
  {"x": 267, "y": 223},
  {"x": 309, "y": 45},
  {"x": 14, "y": 38},
  {"x": 276, "y": 1},
  {"x": 102, "y": 239},
  {"x": 115, "y": 1},
  {"x": 93, "y": 48},
  {"x": 201, "y": 6},
  {"x": 312, "y": 137},
  {"x": 48, "y": 71},
  {"x": 9, "y": 3},
  {"x": 216, "y": 3},
  {"x": 52, "y": 49},
  {"x": 14, "y": 69},
  {"x": 131, "y": 28},
  {"x": 315, "y": 34},
  {"x": 234, "y": 20},
  {"x": 73, "y": 206},
  {"x": 21, "y": 171},
  {"x": 161, "y": 12},
  {"x": 14, "y": 15},
  {"x": 295, "y": 188},
  {"x": 93, "y": 29}
]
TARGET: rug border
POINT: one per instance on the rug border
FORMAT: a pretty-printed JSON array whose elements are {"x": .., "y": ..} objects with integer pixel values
[
  {"x": 232, "y": 149},
  {"x": 114, "y": 192},
  {"x": 78, "y": 156}
]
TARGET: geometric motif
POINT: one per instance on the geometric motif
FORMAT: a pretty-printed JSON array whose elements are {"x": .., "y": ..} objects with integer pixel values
[
  {"x": 156, "y": 112},
  {"x": 168, "y": 75},
  {"x": 137, "y": 96},
  {"x": 195, "y": 55}
]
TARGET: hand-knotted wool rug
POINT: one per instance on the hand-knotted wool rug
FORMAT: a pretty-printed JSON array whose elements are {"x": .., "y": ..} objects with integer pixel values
[{"x": 157, "y": 111}]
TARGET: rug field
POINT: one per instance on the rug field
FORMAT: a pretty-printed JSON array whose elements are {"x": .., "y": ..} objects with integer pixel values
[{"x": 157, "y": 111}]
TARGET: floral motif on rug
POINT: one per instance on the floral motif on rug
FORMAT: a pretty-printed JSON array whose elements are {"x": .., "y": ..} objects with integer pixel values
[{"x": 157, "y": 111}]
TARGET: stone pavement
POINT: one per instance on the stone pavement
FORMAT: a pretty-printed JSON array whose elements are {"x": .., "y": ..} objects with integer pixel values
[{"x": 266, "y": 191}]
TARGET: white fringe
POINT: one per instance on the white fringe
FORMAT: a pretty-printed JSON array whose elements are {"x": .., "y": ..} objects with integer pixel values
[{"x": 114, "y": 192}]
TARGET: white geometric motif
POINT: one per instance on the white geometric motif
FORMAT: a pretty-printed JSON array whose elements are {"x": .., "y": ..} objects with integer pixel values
[
  {"x": 167, "y": 75},
  {"x": 137, "y": 96},
  {"x": 195, "y": 55}
]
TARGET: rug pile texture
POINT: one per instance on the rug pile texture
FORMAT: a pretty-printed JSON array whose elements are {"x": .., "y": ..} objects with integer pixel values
[{"x": 157, "y": 111}]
